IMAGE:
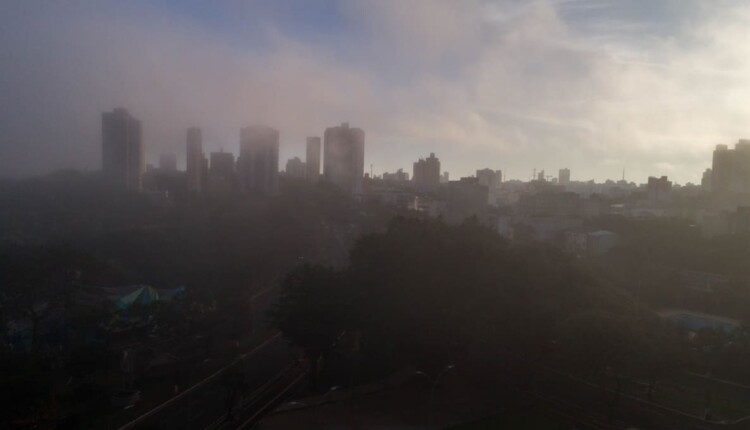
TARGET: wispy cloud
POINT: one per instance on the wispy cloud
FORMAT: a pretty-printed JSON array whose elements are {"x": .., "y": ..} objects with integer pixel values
[{"x": 487, "y": 83}]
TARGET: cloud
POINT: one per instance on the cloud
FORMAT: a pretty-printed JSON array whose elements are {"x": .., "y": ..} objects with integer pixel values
[{"x": 501, "y": 84}]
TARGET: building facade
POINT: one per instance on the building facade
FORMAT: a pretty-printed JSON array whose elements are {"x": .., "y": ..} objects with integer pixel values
[
  {"x": 426, "y": 172},
  {"x": 490, "y": 178},
  {"x": 295, "y": 168},
  {"x": 312, "y": 160},
  {"x": 659, "y": 189},
  {"x": 563, "y": 177},
  {"x": 730, "y": 170},
  {"x": 123, "y": 161},
  {"x": 344, "y": 157},
  {"x": 258, "y": 163}
]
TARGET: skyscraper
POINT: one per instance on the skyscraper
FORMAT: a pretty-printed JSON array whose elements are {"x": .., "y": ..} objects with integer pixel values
[
  {"x": 706, "y": 179},
  {"x": 563, "y": 176},
  {"x": 258, "y": 163},
  {"x": 123, "y": 162},
  {"x": 194, "y": 168},
  {"x": 344, "y": 157},
  {"x": 721, "y": 168},
  {"x": 731, "y": 168},
  {"x": 312, "y": 162},
  {"x": 426, "y": 173}
]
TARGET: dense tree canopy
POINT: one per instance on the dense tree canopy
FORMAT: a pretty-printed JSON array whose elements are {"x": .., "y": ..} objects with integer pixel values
[{"x": 426, "y": 292}]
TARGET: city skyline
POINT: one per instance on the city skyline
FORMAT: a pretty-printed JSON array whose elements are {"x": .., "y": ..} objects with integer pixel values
[
  {"x": 313, "y": 150},
  {"x": 595, "y": 86}
]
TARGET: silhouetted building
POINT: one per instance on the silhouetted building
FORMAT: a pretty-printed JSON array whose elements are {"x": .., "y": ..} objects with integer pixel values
[
  {"x": 426, "y": 172},
  {"x": 563, "y": 177},
  {"x": 168, "y": 162},
  {"x": 344, "y": 157},
  {"x": 445, "y": 178},
  {"x": 706, "y": 179},
  {"x": 731, "y": 168},
  {"x": 398, "y": 176},
  {"x": 312, "y": 160},
  {"x": 490, "y": 178},
  {"x": 258, "y": 163},
  {"x": 295, "y": 168},
  {"x": 659, "y": 189},
  {"x": 194, "y": 160},
  {"x": 123, "y": 161}
]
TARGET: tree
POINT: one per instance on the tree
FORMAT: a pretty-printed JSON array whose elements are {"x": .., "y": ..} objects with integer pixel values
[
  {"x": 36, "y": 281},
  {"x": 602, "y": 344},
  {"x": 312, "y": 312}
]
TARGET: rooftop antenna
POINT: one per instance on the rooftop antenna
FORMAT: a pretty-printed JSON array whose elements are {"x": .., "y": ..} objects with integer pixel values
[{"x": 623, "y": 174}]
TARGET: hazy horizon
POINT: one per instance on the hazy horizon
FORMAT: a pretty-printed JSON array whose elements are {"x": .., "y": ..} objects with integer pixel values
[{"x": 594, "y": 86}]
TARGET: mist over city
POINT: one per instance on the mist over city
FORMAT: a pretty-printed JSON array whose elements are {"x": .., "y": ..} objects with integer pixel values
[{"x": 392, "y": 214}]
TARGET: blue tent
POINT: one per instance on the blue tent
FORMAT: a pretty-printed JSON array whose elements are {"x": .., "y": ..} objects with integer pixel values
[{"x": 144, "y": 295}]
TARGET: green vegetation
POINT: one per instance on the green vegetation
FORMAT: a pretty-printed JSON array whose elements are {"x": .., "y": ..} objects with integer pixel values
[{"x": 425, "y": 293}]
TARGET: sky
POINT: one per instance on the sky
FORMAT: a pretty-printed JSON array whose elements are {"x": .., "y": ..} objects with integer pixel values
[{"x": 596, "y": 86}]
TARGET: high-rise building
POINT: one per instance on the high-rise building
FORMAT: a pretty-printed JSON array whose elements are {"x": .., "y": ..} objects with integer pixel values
[
  {"x": 426, "y": 173},
  {"x": 722, "y": 168},
  {"x": 123, "y": 161},
  {"x": 731, "y": 168},
  {"x": 295, "y": 168},
  {"x": 563, "y": 177},
  {"x": 490, "y": 178},
  {"x": 445, "y": 178},
  {"x": 312, "y": 161},
  {"x": 168, "y": 162},
  {"x": 706, "y": 179},
  {"x": 258, "y": 163},
  {"x": 344, "y": 157},
  {"x": 194, "y": 160}
]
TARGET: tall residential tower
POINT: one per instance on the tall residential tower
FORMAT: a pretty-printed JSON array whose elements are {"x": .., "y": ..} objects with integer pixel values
[
  {"x": 258, "y": 163},
  {"x": 123, "y": 161},
  {"x": 312, "y": 162},
  {"x": 344, "y": 157},
  {"x": 426, "y": 172}
]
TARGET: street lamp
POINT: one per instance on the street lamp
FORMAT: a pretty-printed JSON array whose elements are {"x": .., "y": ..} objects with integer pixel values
[{"x": 434, "y": 383}]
